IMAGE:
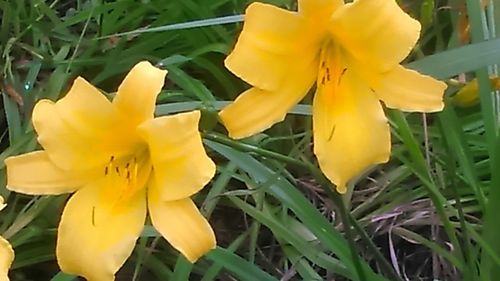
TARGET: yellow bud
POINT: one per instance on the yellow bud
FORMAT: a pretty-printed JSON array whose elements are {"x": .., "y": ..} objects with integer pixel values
[{"x": 469, "y": 94}]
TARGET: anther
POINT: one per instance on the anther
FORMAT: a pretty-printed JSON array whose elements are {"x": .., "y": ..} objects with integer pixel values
[
  {"x": 93, "y": 215},
  {"x": 323, "y": 64},
  {"x": 117, "y": 169},
  {"x": 106, "y": 170},
  {"x": 341, "y": 74},
  {"x": 331, "y": 133},
  {"x": 323, "y": 80}
]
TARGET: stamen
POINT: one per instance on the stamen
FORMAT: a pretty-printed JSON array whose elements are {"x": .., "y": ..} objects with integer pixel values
[
  {"x": 117, "y": 169},
  {"x": 331, "y": 133},
  {"x": 341, "y": 75},
  {"x": 93, "y": 215},
  {"x": 134, "y": 176},
  {"x": 109, "y": 165}
]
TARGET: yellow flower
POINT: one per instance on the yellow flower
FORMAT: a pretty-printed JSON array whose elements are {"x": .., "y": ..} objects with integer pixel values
[
  {"x": 352, "y": 51},
  {"x": 114, "y": 155},
  {"x": 6, "y": 253}
]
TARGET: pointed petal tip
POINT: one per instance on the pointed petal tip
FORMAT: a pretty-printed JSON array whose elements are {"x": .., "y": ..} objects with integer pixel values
[
  {"x": 33, "y": 173},
  {"x": 146, "y": 65},
  {"x": 409, "y": 90},
  {"x": 233, "y": 132},
  {"x": 136, "y": 95},
  {"x": 79, "y": 80},
  {"x": 257, "y": 110},
  {"x": 182, "y": 225},
  {"x": 392, "y": 34},
  {"x": 341, "y": 188},
  {"x": 210, "y": 244},
  {"x": 6, "y": 258}
]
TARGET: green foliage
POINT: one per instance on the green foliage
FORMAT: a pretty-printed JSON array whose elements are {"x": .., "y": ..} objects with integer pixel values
[{"x": 428, "y": 213}]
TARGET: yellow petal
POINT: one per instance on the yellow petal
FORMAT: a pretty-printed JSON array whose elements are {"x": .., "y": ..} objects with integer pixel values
[
  {"x": 273, "y": 42},
  {"x": 2, "y": 204},
  {"x": 256, "y": 110},
  {"x": 136, "y": 96},
  {"x": 350, "y": 131},
  {"x": 81, "y": 130},
  {"x": 96, "y": 235},
  {"x": 6, "y": 258},
  {"x": 377, "y": 33},
  {"x": 181, "y": 165},
  {"x": 181, "y": 223},
  {"x": 318, "y": 8},
  {"x": 468, "y": 95},
  {"x": 408, "y": 90},
  {"x": 33, "y": 173}
]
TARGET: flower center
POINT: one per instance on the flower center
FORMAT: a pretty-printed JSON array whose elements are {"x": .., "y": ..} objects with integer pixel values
[
  {"x": 125, "y": 169},
  {"x": 123, "y": 178},
  {"x": 331, "y": 67}
]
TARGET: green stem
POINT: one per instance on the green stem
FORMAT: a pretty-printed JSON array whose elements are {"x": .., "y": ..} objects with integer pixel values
[
  {"x": 350, "y": 236},
  {"x": 347, "y": 221}
]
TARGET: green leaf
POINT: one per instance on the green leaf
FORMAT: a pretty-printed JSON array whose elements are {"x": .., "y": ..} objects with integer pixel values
[{"x": 244, "y": 270}]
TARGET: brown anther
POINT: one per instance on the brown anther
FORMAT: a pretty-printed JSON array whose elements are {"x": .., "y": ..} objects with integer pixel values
[
  {"x": 93, "y": 215},
  {"x": 331, "y": 133},
  {"x": 341, "y": 74}
]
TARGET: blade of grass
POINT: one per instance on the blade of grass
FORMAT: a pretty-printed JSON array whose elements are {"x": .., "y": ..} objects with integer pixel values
[
  {"x": 289, "y": 196},
  {"x": 182, "y": 269},
  {"x": 244, "y": 270},
  {"x": 184, "y": 25}
]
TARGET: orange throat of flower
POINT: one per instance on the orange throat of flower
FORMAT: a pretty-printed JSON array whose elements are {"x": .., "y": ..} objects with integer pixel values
[{"x": 125, "y": 178}]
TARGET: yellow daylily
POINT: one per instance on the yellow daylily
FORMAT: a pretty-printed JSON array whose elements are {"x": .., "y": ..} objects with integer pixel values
[
  {"x": 114, "y": 155},
  {"x": 6, "y": 253},
  {"x": 352, "y": 51}
]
